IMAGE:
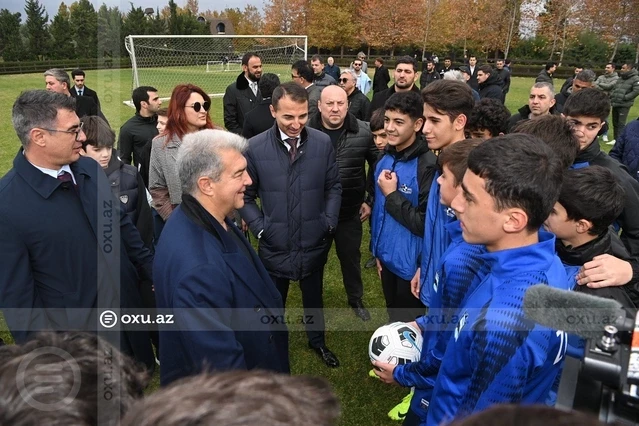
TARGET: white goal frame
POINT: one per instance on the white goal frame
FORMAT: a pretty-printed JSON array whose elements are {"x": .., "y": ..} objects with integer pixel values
[{"x": 133, "y": 43}]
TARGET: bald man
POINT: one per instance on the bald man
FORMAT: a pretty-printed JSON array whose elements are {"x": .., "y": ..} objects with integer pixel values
[{"x": 353, "y": 142}]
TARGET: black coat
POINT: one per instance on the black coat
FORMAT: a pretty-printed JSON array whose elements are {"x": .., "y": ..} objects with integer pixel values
[
  {"x": 381, "y": 79},
  {"x": 258, "y": 120},
  {"x": 67, "y": 250},
  {"x": 504, "y": 77},
  {"x": 299, "y": 201},
  {"x": 491, "y": 88},
  {"x": 86, "y": 92},
  {"x": 380, "y": 98},
  {"x": 359, "y": 105},
  {"x": 238, "y": 101},
  {"x": 473, "y": 83},
  {"x": 355, "y": 147},
  {"x": 427, "y": 78},
  {"x": 133, "y": 142}
]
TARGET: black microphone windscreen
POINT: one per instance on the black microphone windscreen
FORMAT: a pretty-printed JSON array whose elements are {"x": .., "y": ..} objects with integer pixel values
[{"x": 571, "y": 311}]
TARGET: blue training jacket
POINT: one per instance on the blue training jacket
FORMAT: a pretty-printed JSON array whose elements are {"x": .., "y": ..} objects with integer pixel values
[
  {"x": 458, "y": 274},
  {"x": 435, "y": 242},
  {"x": 394, "y": 244},
  {"x": 497, "y": 355}
]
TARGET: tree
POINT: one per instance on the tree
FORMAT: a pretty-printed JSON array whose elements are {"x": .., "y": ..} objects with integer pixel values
[
  {"x": 192, "y": 6},
  {"x": 84, "y": 25},
  {"x": 387, "y": 24},
  {"x": 332, "y": 23},
  {"x": 111, "y": 40},
  {"x": 10, "y": 41},
  {"x": 62, "y": 46},
  {"x": 286, "y": 16},
  {"x": 135, "y": 22},
  {"x": 157, "y": 25},
  {"x": 36, "y": 27}
]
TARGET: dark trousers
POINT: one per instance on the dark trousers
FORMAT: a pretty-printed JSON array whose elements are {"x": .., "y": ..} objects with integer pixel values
[
  {"x": 401, "y": 305},
  {"x": 619, "y": 118},
  {"x": 348, "y": 239},
  {"x": 312, "y": 287},
  {"x": 411, "y": 419}
]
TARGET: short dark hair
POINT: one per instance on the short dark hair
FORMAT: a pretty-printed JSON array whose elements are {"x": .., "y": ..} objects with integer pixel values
[
  {"x": 614, "y": 67},
  {"x": 630, "y": 64},
  {"x": 486, "y": 69},
  {"x": 77, "y": 72},
  {"x": 377, "y": 120},
  {"x": 449, "y": 97},
  {"x": 519, "y": 171},
  {"x": 140, "y": 95},
  {"x": 380, "y": 60},
  {"x": 97, "y": 131},
  {"x": 455, "y": 157},
  {"x": 291, "y": 89},
  {"x": 527, "y": 415},
  {"x": 407, "y": 60},
  {"x": 268, "y": 82},
  {"x": 507, "y": 61},
  {"x": 221, "y": 399},
  {"x": 489, "y": 114},
  {"x": 592, "y": 193},
  {"x": 549, "y": 65},
  {"x": 472, "y": 56},
  {"x": 430, "y": 61},
  {"x": 38, "y": 108},
  {"x": 304, "y": 70},
  {"x": 586, "y": 75},
  {"x": 557, "y": 132},
  {"x": 409, "y": 103},
  {"x": 69, "y": 360},
  {"x": 588, "y": 102},
  {"x": 448, "y": 58},
  {"x": 247, "y": 57},
  {"x": 317, "y": 58}
]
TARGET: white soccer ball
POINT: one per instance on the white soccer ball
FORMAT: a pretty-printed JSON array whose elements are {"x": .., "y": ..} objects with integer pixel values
[{"x": 396, "y": 343}]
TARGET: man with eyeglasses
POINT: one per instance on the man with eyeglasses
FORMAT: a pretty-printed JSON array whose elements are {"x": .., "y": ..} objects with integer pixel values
[
  {"x": 68, "y": 251},
  {"x": 243, "y": 95},
  {"x": 364, "y": 82},
  {"x": 358, "y": 103},
  {"x": 57, "y": 80}
]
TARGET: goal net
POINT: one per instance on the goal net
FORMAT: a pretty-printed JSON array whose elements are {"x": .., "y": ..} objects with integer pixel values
[{"x": 210, "y": 62}]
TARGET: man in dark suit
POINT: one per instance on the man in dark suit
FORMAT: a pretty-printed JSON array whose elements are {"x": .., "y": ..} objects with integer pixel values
[
  {"x": 243, "y": 95},
  {"x": 57, "y": 80},
  {"x": 68, "y": 251},
  {"x": 209, "y": 276},
  {"x": 79, "y": 89},
  {"x": 474, "y": 69},
  {"x": 260, "y": 118}
]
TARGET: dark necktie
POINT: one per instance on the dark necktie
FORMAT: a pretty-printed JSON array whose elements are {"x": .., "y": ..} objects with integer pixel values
[
  {"x": 67, "y": 180},
  {"x": 293, "y": 144},
  {"x": 80, "y": 93}
]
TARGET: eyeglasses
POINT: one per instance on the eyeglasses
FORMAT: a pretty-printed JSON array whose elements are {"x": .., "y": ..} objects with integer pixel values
[
  {"x": 198, "y": 106},
  {"x": 343, "y": 80},
  {"x": 77, "y": 130}
]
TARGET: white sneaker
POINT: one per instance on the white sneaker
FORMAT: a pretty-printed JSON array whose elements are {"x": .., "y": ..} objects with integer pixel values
[{"x": 612, "y": 142}]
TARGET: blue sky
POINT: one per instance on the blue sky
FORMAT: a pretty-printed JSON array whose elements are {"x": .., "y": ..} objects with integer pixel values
[{"x": 52, "y": 5}]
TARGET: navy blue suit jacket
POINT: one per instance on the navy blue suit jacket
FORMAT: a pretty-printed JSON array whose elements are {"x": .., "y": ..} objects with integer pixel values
[
  {"x": 223, "y": 304},
  {"x": 62, "y": 255}
]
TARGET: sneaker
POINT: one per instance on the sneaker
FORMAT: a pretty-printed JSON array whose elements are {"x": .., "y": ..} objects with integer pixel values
[
  {"x": 399, "y": 411},
  {"x": 605, "y": 138},
  {"x": 370, "y": 263},
  {"x": 372, "y": 374},
  {"x": 612, "y": 142}
]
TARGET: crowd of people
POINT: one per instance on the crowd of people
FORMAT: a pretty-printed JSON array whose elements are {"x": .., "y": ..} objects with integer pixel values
[{"x": 469, "y": 206}]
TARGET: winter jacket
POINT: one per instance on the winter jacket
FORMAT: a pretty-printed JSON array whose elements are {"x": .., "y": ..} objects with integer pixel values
[
  {"x": 332, "y": 70},
  {"x": 626, "y": 149},
  {"x": 134, "y": 139},
  {"x": 504, "y": 77},
  {"x": 491, "y": 88},
  {"x": 523, "y": 114},
  {"x": 380, "y": 98},
  {"x": 544, "y": 77},
  {"x": 324, "y": 80},
  {"x": 355, "y": 147},
  {"x": 359, "y": 105},
  {"x": 427, "y": 78},
  {"x": 606, "y": 82},
  {"x": 381, "y": 78},
  {"x": 238, "y": 100},
  {"x": 300, "y": 201},
  {"x": 626, "y": 89},
  {"x": 629, "y": 219}
]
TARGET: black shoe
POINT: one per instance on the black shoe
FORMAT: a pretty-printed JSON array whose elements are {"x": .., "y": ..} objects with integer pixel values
[
  {"x": 361, "y": 311},
  {"x": 327, "y": 356},
  {"x": 370, "y": 263}
]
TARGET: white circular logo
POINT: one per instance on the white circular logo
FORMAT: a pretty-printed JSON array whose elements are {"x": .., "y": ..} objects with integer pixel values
[
  {"x": 44, "y": 386},
  {"x": 108, "y": 319}
]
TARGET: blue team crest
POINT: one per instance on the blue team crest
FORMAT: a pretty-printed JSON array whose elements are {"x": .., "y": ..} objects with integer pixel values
[
  {"x": 405, "y": 189},
  {"x": 460, "y": 325},
  {"x": 436, "y": 283}
]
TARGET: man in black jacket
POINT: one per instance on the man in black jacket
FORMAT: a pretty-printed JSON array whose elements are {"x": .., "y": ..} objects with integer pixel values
[
  {"x": 587, "y": 111},
  {"x": 137, "y": 131},
  {"x": 260, "y": 118},
  {"x": 57, "y": 80},
  {"x": 405, "y": 77},
  {"x": 381, "y": 77},
  {"x": 243, "y": 95},
  {"x": 489, "y": 84},
  {"x": 504, "y": 76},
  {"x": 353, "y": 141},
  {"x": 79, "y": 88},
  {"x": 295, "y": 175},
  {"x": 429, "y": 74},
  {"x": 358, "y": 103}
]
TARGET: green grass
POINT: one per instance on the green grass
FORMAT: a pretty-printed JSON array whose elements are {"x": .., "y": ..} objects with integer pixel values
[{"x": 365, "y": 401}]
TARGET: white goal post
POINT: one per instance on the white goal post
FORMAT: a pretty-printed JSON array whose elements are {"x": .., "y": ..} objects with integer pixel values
[{"x": 211, "y": 62}]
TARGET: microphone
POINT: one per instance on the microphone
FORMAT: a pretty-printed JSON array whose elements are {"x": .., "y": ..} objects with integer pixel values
[{"x": 574, "y": 312}]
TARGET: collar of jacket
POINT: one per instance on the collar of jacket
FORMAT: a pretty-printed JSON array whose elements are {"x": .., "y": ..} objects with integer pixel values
[
  {"x": 626, "y": 75},
  {"x": 391, "y": 89},
  {"x": 276, "y": 131},
  {"x": 114, "y": 164},
  {"x": 577, "y": 256},
  {"x": 152, "y": 119},
  {"x": 588, "y": 154},
  {"x": 525, "y": 111},
  {"x": 353, "y": 93},
  {"x": 202, "y": 218},
  {"x": 350, "y": 123},
  {"x": 241, "y": 82},
  {"x": 418, "y": 148}
]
